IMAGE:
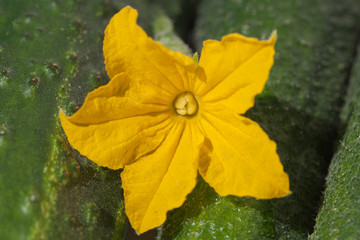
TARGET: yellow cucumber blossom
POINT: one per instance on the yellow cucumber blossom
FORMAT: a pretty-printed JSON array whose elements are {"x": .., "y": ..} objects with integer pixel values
[{"x": 164, "y": 117}]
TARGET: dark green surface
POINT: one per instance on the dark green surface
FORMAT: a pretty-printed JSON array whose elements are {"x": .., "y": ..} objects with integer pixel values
[
  {"x": 51, "y": 57},
  {"x": 339, "y": 216},
  {"x": 299, "y": 109},
  {"x": 49, "y": 191}
]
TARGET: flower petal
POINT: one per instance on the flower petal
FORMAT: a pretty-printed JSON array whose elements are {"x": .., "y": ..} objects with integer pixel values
[
  {"x": 122, "y": 97},
  {"x": 240, "y": 159},
  {"x": 160, "y": 181},
  {"x": 127, "y": 48},
  {"x": 113, "y": 127},
  {"x": 237, "y": 69}
]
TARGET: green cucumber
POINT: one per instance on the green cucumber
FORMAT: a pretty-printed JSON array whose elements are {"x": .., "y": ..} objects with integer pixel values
[
  {"x": 50, "y": 58},
  {"x": 299, "y": 109},
  {"x": 339, "y": 216}
]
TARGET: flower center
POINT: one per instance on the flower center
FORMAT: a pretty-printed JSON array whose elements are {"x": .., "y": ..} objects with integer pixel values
[{"x": 186, "y": 104}]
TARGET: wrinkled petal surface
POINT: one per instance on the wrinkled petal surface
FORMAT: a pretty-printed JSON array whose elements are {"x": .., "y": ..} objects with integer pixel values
[
  {"x": 113, "y": 127},
  {"x": 160, "y": 181},
  {"x": 131, "y": 122},
  {"x": 236, "y": 69},
  {"x": 239, "y": 158},
  {"x": 127, "y": 48}
]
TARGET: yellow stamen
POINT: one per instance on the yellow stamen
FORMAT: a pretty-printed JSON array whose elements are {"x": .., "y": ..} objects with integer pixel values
[{"x": 186, "y": 104}]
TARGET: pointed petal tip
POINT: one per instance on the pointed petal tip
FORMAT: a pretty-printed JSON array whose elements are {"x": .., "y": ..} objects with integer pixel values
[
  {"x": 142, "y": 230},
  {"x": 273, "y": 37},
  {"x": 62, "y": 115},
  {"x": 283, "y": 187},
  {"x": 63, "y": 118},
  {"x": 128, "y": 6},
  {"x": 285, "y": 193},
  {"x": 289, "y": 193},
  {"x": 285, "y": 190},
  {"x": 138, "y": 233}
]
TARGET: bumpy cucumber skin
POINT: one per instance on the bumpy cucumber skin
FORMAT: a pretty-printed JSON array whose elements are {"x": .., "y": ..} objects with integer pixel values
[
  {"x": 51, "y": 57},
  {"x": 339, "y": 216},
  {"x": 299, "y": 109}
]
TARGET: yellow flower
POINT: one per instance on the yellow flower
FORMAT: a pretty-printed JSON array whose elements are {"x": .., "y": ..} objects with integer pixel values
[{"x": 163, "y": 118}]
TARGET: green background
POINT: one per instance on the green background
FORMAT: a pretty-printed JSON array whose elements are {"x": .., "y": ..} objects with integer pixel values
[{"x": 51, "y": 57}]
